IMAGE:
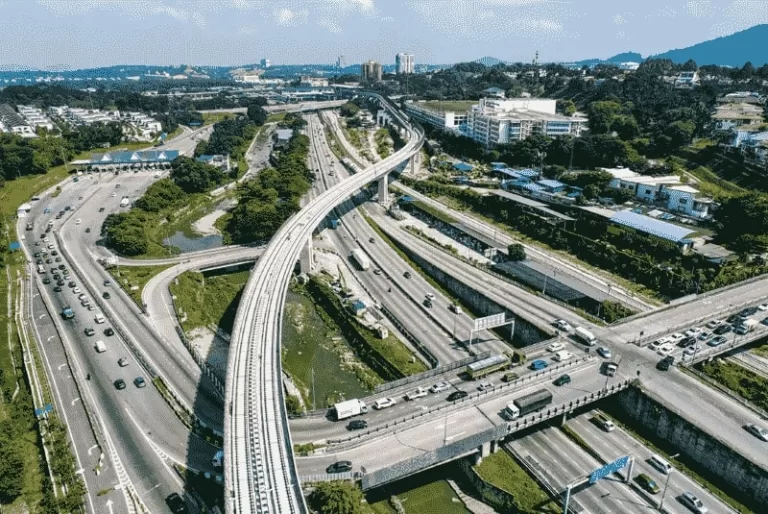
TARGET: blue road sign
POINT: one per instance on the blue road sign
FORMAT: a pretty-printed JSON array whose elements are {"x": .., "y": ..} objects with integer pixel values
[
  {"x": 608, "y": 469},
  {"x": 48, "y": 407}
]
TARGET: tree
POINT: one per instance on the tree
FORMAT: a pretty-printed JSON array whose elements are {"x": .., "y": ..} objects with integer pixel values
[
  {"x": 337, "y": 498},
  {"x": 194, "y": 176},
  {"x": 601, "y": 116},
  {"x": 11, "y": 471},
  {"x": 625, "y": 127},
  {"x": 257, "y": 114},
  {"x": 516, "y": 252},
  {"x": 349, "y": 109}
]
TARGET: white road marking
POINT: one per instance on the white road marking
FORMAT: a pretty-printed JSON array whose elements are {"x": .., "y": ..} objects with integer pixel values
[{"x": 73, "y": 401}]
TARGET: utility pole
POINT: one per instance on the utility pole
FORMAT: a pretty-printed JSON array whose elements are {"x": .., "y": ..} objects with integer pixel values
[{"x": 666, "y": 484}]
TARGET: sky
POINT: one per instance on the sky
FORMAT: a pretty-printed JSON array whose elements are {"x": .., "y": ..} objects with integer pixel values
[{"x": 90, "y": 33}]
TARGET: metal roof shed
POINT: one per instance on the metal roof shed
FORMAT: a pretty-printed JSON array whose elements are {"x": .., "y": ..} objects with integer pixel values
[{"x": 652, "y": 226}]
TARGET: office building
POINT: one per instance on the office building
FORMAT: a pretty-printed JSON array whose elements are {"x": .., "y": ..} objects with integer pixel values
[
  {"x": 265, "y": 63},
  {"x": 404, "y": 63},
  {"x": 443, "y": 115},
  {"x": 370, "y": 71},
  {"x": 341, "y": 62},
  {"x": 499, "y": 121}
]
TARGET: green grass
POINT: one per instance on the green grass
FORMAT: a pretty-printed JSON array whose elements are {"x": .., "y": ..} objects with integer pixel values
[
  {"x": 208, "y": 302},
  {"x": 501, "y": 470},
  {"x": 276, "y": 117},
  {"x": 750, "y": 386},
  {"x": 353, "y": 136},
  {"x": 434, "y": 498},
  {"x": 130, "y": 276},
  {"x": 383, "y": 143},
  {"x": 761, "y": 350},
  {"x": 445, "y": 106},
  {"x": 209, "y": 118}
]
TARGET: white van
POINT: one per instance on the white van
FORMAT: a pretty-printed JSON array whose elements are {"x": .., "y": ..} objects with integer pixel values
[
  {"x": 100, "y": 347},
  {"x": 562, "y": 356},
  {"x": 660, "y": 464},
  {"x": 99, "y": 318},
  {"x": 40, "y": 269}
]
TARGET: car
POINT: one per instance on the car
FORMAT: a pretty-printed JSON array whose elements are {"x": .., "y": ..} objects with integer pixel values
[
  {"x": 717, "y": 341},
  {"x": 371, "y": 240},
  {"x": 377, "y": 271},
  {"x": 732, "y": 319},
  {"x": 757, "y": 431},
  {"x": 39, "y": 262},
  {"x": 88, "y": 230},
  {"x": 604, "y": 352},
  {"x": 176, "y": 504},
  {"x": 109, "y": 332},
  {"x": 765, "y": 321},
  {"x": 561, "y": 324},
  {"x": 763, "y": 307},
  {"x": 665, "y": 363},
  {"x": 119, "y": 383},
  {"x": 114, "y": 195},
  {"x": 439, "y": 387},
  {"x": 659, "y": 343},
  {"x": 674, "y": 338},
  {"x": 647, "y": 483},
  {"x": 745, "y": 313},
  {"x": 484, "y": 386},
  {"x": 723, "y": 329},
  {"x": 407, "y": 274},
  {"x": 36, "y": 255},
  {"x": 76, "y": 290},
  {"x": 383, "y": 403},
  {"x": 60, "y": 283},
  {"x": 665, "y": 349},
  {"x": 562, "y": 380},
  {"x": 692, "y": 332},
  {"x": 427, "y": 302},
  {"x": 46, "y": 280},
  {"x": 106, "y": 295},
  {"x": 562, "y": 356},
  {"x": 72, "y": 283},
  {"x": 715, "y": 323},
  {"x": 139, "y": 382},
  {"x": 704, "y": 335},
  {"x": 57, "y": 259},
  {"x": 430, "y": 297},
  {"x": 419, "y": 392},
  {"x": 82, "y": 297},
  {"x": 692, "y": 502},
  {"x": 48, "y": 261},
  {"x": 89, "y": 331},
  {"x": 538, "y": 364},
  {"x": 122, "y": 362},
  {"x": 555, "y": 347},
  {"x": 357, "y": 424},
  {"x": 56, "y": 276},
  {"x": 341, "y": 466},
  {"x": 690, "y": 350},
  {"x": 457, "y": 395},
  {"x": 685, "y": 343},
  {"x": 101, "y": 209},
  {"x": 107, "y": 283},
  {"x": 78, "y": 221},
  {"x": 57, "y": 289},
  {"x": 62, "y": 267},
  {"x": 510, "y": 376}
]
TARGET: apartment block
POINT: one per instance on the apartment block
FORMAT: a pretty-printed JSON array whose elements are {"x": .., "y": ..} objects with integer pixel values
[
  {"x": 34, "y": 116},
  {"x": 432, "y": 114},
  {"x": 370, "y": 71},
  {"x": 404, "y": 63}
]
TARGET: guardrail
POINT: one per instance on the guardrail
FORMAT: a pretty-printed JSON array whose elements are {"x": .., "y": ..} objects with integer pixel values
[
  {"x": 432, "y": 372},
  {"x": 543, "y": 478},
  {"x": 522, "y": 381}
]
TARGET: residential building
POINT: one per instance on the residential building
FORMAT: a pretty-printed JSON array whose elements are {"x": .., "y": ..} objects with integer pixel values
[
  {"x": 220, "y": 161},
  {"x": 432, "y": 114},
  {"x": 742, "y": 115},
  {"x": 313, "y": 82},
  {"x": 11, "y": 121},
  {"x": 34, "y": 116},
  {"x": 687, "y": 80},
  {"x": 341, "y": 62},
  {"x": 370, "y": 71},
  {"x": 247, "y": 76},
  {"x": 629, "y": 66},
  {"x": 265, "y": 63},
  {"x": 282, "y": 136},
  {"x": 500, "y": 121},
  {"x": 755, "y": 143},
  {"x": 404, "y": 63},
  {"x": 747, "y": 97},
  {"x": 495, "y": 92}
]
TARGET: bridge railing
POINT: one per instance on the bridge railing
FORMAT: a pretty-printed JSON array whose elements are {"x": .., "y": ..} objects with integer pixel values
[
  {"x": 431, "y": 373},
  {"x": 471, "y": 444}
]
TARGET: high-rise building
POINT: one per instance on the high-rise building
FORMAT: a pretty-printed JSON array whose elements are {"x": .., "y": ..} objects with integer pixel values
[
  {"x": 265, "y": 63},
  {"x": 370, "y": 71},
  {"x": 404, "y": 63},
  {"x": 341, "y": 62}
]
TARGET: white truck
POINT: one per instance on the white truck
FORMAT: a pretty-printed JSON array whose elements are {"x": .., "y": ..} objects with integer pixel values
[
  {"x": 746, "y": 326},
  {"x": 349, "y": 408},
  {"x": 125, "y": 202},
  {"x": 585, "y": 336},
  {"x": 361, "y": 259}
]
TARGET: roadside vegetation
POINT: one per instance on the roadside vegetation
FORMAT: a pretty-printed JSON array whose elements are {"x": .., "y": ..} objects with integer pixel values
[
  {"x": 134, "y": 278},
  {"x": 745, "y": 383},
  {"x": 501, "y": 470},
  {"x": 208, "y": 302}
]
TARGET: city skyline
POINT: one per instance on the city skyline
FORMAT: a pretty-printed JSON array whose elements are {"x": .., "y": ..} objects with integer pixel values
[{"x": 81, "y": 34}]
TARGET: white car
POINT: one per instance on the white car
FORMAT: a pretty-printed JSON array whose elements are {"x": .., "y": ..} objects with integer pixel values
[
  {"x": 561, "y": 324},
  {"x": 439, "y": 387},
  {"x": 484, "y": 386},
  {"x": 692, "y": 349},
  {"x": 562, "y": 356},
  {"x": 383, "y": 403},
  {"x": 763, "y": 307},
  {"x": 418, "y": 393},
  {"x": 714, "y": 323},
  {"x": 692, "y": 332},
  {"x": 76, "y": 290},
  {"x": 757, "y": 431},
  {"x": 665, "y": 349},
  {"x": 114, "y": 195},
  {"x": 677, "y": 336},
  {"x": 555, "y": 347},
  {"x": 78, "y": 221},
  {"x": 659, "y": 343},
  {"x": 430, "y": 296},
  {"x": 82, "y": 297}
]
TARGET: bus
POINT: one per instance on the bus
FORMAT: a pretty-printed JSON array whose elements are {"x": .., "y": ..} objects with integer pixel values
[{"x": 487, "y": 366}]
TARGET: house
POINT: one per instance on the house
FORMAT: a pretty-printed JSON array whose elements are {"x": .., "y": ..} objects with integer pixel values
[
  {"x": 755, "y": 142},
  {"x": 282, "y": 136},
  {"x": 552, "y": 186},
  {"x": 657, "y": 228},
  {"x": 495, "y": 92},
  {"x": 733, "y": 115},
  {"x": 687, "y": 80},
  {"x": 220, "y": 161}
]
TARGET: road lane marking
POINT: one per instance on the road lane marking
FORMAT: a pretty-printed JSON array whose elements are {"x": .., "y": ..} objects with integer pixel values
[{"x": 73, "y": 401}]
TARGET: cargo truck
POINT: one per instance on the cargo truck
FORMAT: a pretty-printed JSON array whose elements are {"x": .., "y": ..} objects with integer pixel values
[
  {"x": 361, "y": 259},
  {"x": 529, "y": 403},
  {"x": 349, "y": 408},
  {"x": 746, "y": 326},
  {"x": 585, "y": 336},
  {"x": 67, "y": 312}
]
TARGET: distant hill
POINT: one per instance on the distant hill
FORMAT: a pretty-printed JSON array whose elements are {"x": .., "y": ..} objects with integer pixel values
[
  {"x": 626, "y": 57},
  {"x": 734, "y": 50}
]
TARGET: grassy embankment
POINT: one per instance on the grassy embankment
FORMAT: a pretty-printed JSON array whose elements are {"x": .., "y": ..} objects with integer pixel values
[
  {"x": 501, "y": 470},
  {"x": 134, "y": 278}
]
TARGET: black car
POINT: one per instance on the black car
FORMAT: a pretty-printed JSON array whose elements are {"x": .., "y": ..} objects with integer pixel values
[
  {"x": 36, "y": 255},
  {"x": 371, "y": 240},
  {"x": 457, "y": 395},
  {"x": 89, "y": 331},
  {"x": 119, "y": 383},
  {"x": 39, "y": 261},
  {"x": 46, "y": 280},
  {"x": 57, "y": 289},
  {"x": 745, "y": 313},
  {"x": 685, "y": 343},
  {"x": 732, "y": 319},
  {"x": 54, "y": 253},
  {"x": 407, "y": 274},
  {"x": 101, "y": 209},
  {"x": 57, "y": 259},
  {"x": 72, "y": 283},
  {"x": 48, "y": 261},
  {"x": 357, "y": 424},
  {"x": 560, "y": 381},
  {"x": 723, "y": 329},
  {"x": 60, "y": 283},
  {"x": 88, "y": 231},
  {"x": 106, "y": 295},
  {"x": 56, "y": 276},
  {"x": 175, "y": 503},
  {"x": 109, "y": 332},
  {"x": 62, "y": 267},
  {"x": 341, "y": 466}
]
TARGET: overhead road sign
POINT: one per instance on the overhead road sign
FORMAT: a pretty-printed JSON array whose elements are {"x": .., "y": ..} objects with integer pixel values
[
  {"x": 493, "y": 321},
  {"x": 608, "y": 469}
]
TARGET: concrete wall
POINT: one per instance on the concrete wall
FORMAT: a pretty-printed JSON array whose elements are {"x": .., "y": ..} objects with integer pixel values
[
  {"x": 497, "y": 498},
  {"x": 742, "y": 475}
]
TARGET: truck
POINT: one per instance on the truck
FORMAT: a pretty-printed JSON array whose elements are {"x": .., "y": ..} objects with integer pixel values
[
  {"x": 746, "y": 326},
  {"x": 125, "y": 202},
  {"x": 335, "y": 223},
  {"x": 67, "y": 312},
  {"x": 349, "y": 408},
  {"x": 528, "y": 403},
  {"x": 361, "y": 259},
  {"x": 585, "y": 336}
]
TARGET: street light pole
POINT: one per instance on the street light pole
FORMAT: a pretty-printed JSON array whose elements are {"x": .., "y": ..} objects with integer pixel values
[{"x": 666, "y": 484}]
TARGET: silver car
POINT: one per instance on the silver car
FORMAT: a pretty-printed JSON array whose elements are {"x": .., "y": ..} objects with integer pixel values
[{"x": 692, "y": 502}]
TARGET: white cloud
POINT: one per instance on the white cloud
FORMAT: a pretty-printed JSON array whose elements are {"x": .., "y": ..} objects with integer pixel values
[
  {"x": 619, "y": 19},
  {"x": 739, "y": 15},
  {"x": 290, "y": 17},
  {"x": 700, "y": 8}
]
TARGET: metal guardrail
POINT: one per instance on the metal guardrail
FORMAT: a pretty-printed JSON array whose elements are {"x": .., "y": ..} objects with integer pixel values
[{"x": 432, "y": 372}]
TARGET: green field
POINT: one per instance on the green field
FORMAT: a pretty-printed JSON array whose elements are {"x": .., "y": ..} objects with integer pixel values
[
  {"x": 501, "y": 470},
  {"x": 130, "y": 276},
  {"x": 425, "y": 493},
  {"x": 208, "y": 301}
]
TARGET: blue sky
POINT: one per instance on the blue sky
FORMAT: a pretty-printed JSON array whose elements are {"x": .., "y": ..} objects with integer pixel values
[{"x": 86, "y": 33}]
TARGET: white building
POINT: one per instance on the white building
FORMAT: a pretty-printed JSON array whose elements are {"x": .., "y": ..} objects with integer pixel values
[
  {"x": 687, "y": 80},
  {"x": 404, "y": 63},
  {"x": 666, "y": 191},
  {"x": 499, "y": 121},
  {"x": 34, "y": 116},
  {"x": 266, "y": 63},
  {"x": 313, "y": 82},
  {"x": 450, "y": 120},
  {"x": 13, "y": 122}
]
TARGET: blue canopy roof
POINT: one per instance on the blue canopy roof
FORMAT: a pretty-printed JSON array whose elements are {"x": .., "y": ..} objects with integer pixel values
[
  {"x": 533, "y": 187},
  {"x": 550, "y": 183},
  {"x": 463, "y": 166},
  {"x": 498, "y": 165},
  {"x": 651, "y": 226},
  {"x": 507, "y": 171},
  {"x": 527, "y": 172},
  {"x": 128, "y": 157}
]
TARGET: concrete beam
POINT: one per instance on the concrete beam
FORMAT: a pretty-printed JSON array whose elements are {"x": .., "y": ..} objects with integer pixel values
[
  {"x": 307, "y": 258},
  {"x": 384, "y": 190}
]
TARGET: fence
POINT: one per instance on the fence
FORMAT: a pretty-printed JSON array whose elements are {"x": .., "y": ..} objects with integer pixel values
[
  {"x": 523, "y": 381},
  {"x": 423, "y": 350},
  {"x": 471, "y": 444},
  {"x": 432, "y": 372}
]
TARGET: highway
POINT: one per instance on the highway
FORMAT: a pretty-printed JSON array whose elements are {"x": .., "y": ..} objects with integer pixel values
[
  {"x": 260, "y": 474},
  {"x": 298, "y": 107}
]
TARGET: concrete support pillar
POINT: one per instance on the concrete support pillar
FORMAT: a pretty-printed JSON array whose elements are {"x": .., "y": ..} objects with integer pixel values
[
  {"x": 307, "y": 258},
  {"x": 495, "y": 446},
  {"x": 485, "y": 449},
  {"x": 384, "y": 190}
]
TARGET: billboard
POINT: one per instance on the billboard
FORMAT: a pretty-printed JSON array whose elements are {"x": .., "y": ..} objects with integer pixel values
[{"x": 493, "y": 321}]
